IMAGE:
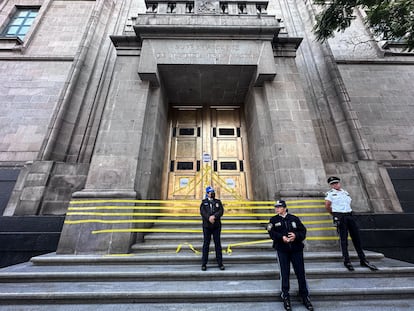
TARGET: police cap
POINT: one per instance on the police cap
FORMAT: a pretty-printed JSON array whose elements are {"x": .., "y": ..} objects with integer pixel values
[
  {"x": 280, "y": 203},
  {"x": 333, "y": 179},
  {"x": 209, "y": 189}
]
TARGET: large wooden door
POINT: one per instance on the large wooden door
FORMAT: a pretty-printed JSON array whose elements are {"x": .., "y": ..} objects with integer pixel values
[{"x": 207, "y": 147}]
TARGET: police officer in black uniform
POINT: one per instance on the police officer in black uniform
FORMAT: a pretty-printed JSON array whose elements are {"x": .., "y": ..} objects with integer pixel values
[
  {"x": 211, "y": 210},
  {"x": 288, "y": 234},
  {"x": 338, "y": 204}
]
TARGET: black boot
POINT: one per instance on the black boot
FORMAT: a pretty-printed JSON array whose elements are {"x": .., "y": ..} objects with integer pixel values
[
  {"x": 286, "y": 303},
  {"x": 365, "y": 263},
  {"x": 307, "y": 303},
  {"x": 349, "y": 265}
]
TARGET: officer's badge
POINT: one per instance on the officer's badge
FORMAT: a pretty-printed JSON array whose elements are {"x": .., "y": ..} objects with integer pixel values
[
  {"x": 217, "y": 205},
  {"x": 278, "y": 224},
  {"x": 269, "y": 226},
  {"x": 294, "y": 225}
]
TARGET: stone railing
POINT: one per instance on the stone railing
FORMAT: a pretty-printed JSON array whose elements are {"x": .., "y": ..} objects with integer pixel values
[{"x": 207, "y": 7}]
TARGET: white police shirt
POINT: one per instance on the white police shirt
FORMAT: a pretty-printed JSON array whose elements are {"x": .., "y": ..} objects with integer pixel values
[{"x": 340, "y": 199}]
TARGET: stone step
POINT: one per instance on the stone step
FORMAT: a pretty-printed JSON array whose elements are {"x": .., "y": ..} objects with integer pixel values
[
  {"x": 195, "y": 291},
  {"x": 176, "y": 279},
  {"x": 197, "y": 246},
  {"x": 234, "y": 271},
  {"x": 320, "y": 305},
  {"x": 309, "y": 216},
  {"x": 236, "y": 223},
  {"x": 234, "y": 244},
  {"x": 198, "y": 236},
  {"x": 188, "y": 257}
]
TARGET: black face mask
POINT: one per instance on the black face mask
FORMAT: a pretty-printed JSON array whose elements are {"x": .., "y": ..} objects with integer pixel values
[{"x": 213, "y": 195}]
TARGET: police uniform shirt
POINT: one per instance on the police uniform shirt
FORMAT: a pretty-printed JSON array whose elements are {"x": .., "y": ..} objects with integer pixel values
[
  {"x": 210, "y": 207},
  {"x": 279, "y": 226},
  {"x": 340, "y": 199}
]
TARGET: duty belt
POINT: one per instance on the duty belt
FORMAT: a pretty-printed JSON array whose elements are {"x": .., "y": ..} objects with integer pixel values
[{"x": 342, "y": 214}]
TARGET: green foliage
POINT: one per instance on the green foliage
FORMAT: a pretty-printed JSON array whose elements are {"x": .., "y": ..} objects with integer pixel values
[{"x": 391, "y": 20}]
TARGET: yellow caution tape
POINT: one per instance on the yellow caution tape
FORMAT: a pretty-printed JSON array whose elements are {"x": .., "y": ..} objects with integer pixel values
[
  {"x": 180, "y": 221},
  {"x": 78, "y": 209},
  {"x": 165, "y": 230},
  {"x": 190, "y": 246},
  {"x": 229, "y": 250},
  {"x": 185, "y": 214},
  {"x": 195, "y": 202},
  {"x": 180, "y": 207}
]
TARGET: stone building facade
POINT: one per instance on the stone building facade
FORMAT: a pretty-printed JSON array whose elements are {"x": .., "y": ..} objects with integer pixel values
[{"x": 92, "y": 94}]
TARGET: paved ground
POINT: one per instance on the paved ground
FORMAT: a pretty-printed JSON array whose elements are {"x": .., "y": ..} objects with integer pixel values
[{"x": 367, "y": 305}]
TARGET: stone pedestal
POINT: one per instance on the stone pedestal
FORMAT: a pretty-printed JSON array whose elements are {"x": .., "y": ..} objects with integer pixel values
[{"x": 94, "y": 226}]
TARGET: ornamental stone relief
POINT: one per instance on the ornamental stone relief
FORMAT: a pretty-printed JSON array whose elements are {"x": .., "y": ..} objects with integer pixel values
[{"x": 207, "y": 7}]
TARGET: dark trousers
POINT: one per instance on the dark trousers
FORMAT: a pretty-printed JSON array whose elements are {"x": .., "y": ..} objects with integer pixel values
[
  {"x": 347, "y": 224},
  {"x": 208, "y": 232},
  {"x": 296, "y": 258}
]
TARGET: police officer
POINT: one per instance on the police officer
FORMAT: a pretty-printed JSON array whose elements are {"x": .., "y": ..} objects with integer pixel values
[
  {"x": 338, "y": 204},
  {"x": 211, "y": 210},
  {"x": 288, "y": 234}
]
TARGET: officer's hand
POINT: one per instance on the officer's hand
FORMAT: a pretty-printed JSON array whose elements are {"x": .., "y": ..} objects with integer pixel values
[
  {"x": 285, "y": 239},
  {"x": 291, "y": 236},
  {"x": 212, "y": 219}
]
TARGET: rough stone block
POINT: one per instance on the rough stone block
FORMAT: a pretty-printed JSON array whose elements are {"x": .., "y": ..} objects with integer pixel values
[{"x": 33, "y": 193}]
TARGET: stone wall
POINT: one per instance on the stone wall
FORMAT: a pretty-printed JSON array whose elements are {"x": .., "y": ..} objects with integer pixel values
[
  {"x": 29, "y": 91},
  {"x": 295, "y": 150},
  {"x": 382, "y": 96},
  {"x": 31, "y": 80}
]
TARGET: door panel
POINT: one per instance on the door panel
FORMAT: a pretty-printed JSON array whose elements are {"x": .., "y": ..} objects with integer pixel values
[{"x": 206, "y": 148}]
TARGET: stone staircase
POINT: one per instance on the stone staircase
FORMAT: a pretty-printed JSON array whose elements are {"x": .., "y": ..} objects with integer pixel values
[
  {"x": 56, "y": 282},
  {"x": 163, "y": 273},
  {"x": 241, "y": 229}
]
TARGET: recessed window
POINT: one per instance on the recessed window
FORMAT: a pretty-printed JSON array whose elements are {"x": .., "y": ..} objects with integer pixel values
[
  {"x": 186, "y": 131},
  {"x": 185, "y": 166},
  {"x": 20, "y": 23},
  {"x": 226, "y": 132},
  {"x": 231, "y": 166}
]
